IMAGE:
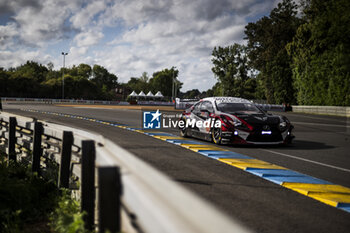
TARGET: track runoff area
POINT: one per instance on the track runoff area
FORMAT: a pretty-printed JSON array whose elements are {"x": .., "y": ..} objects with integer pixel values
[{"x": 321, "y": 190}]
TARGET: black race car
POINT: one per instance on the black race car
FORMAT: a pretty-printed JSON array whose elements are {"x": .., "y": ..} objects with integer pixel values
[{"x": 234, "y": 120}]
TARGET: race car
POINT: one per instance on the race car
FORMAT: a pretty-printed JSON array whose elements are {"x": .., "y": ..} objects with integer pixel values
[{"x": 232, "y": 120}]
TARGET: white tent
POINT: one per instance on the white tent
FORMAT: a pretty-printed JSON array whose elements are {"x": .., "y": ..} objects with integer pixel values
[
  {"x": 133, "y": 94},
  {"x": 158, "y": 95},
  {"x": 142, "y": 94},
  {"x": 150, "y": 94}
]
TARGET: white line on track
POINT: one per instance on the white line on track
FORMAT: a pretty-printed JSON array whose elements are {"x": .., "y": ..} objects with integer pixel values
[
  {"x": 330, "y": 125},
  {"x": 318, "y": 118},
  {"x": 310, "y": 161}
]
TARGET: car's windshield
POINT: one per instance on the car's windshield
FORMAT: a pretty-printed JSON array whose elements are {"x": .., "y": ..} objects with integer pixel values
[{"x": 237, "y": 107}]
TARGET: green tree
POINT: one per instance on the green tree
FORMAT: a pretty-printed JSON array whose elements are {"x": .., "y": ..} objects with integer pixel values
[
  {"x": 144, "y": 78},
  {"x": 135, "y": 84},
  {"x": 216, "y": 90},
  {"x": 321, "y": 54},
  {"x": 101, "y": 77},
  {"x": 231, "y": 69},
  {"x": 35, "y": 80},
  {"x": 192, "y": 94},
  {"x": 267, "y": 39},
  {"x": 32, "y": 70},
  {"x": 4, "y": 80},
  {"x": 163, "y": 81},
  {"x": 84, "y": 70},
  {"x": 139, "y": 84},
  {"x": 21, "y": 86},
  {"x": 50, "y": 66}
]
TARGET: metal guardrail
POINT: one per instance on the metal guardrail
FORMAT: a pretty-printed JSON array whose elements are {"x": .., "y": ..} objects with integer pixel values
[
  {"x": 323, "y": 110},
  {"x": 187, "y": 103},
  {"x": 60, "y": 101},
  {"x": 272, "y": 107},
  {"x": 131, "y": 196}
]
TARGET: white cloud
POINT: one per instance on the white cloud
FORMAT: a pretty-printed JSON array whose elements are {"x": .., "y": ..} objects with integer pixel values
[
  {"x": 84, "y": 17},
  {"x": 43, "y": 21},
  {"x": 175, "y": 33},
  {"x": 16, "y": 58},
  {"x": 76, "y": 56},
  {"x": 7, "y": 34},
  {"x": 149, "y": 35},
  {"x": 78, "y": 51},
  {"x": 88, "y": 38}
]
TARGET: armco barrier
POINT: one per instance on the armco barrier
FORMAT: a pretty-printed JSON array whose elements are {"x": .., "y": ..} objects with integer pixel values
[
  {"x": 323, "y": 110},
  {"x": 272, "y": 107},
  {"x": 131, "y": 195},
  {"x": 61, "y": 101},
  {"x": 187, "y": 103}
]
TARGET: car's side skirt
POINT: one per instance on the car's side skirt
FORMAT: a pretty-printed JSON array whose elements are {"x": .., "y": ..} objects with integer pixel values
[{"x": 201, "y": 135}]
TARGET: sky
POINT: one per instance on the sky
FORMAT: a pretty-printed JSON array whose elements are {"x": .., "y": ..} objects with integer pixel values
[{"x": 127, "y": 37}]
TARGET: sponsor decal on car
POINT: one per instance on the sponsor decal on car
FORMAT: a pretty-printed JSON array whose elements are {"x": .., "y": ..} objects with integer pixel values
[{"x": 230, "y": 100}]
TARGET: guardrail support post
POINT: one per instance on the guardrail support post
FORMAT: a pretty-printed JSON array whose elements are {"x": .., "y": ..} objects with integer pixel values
[
  {"x": 37, "y": 151},
  {"x": 109, "y": 185},
  {"x": 88, "y": 182},
  {"x": 66, "y": 154},
  {"x": 12, "y": 139}
]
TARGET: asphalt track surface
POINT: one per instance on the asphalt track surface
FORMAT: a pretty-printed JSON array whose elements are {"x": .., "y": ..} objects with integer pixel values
[{"x": 321, "y": 149}]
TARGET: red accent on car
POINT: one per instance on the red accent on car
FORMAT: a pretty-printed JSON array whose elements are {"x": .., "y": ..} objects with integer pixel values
[{"x": 225, "y": 125}]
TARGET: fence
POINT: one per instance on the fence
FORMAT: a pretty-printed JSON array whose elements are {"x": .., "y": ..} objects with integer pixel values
[
  {"x": 118, "y": 191},
  {"x": 323, "y": 110},
  {"x": 60, "y": 101}
]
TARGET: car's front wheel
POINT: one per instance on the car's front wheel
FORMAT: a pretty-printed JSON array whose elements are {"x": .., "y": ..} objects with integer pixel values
[
  {"x": 183, "y": 132},
  {"x": 216, "y": 135}
]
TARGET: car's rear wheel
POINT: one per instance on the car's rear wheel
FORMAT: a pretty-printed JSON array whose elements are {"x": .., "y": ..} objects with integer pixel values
[{"x": 216, "y": 135}]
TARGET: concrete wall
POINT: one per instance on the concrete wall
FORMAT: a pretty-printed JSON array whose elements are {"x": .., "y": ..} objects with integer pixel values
[{"x": 323, "y": 110}]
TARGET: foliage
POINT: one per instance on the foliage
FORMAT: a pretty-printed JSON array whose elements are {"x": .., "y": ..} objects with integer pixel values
[
  {"x": 26, "y": 199},
  {"x": 37, "y": 81},
  {"x": 191, "y": 94},
  {"x": 138, "y": 85},
  {"x": 267, "y": 39},
  {"x": 321, "y": 54},
  {"x": 67, "y": 217},
  {"x": 297, "y": 55},
  {"x": 31, "y": 204},
  {"x": 101, "y": 77},
  {"x": 163, "y": 81},
  {"x": 231, "y": 69},
  {"x": 82, "y": 81}
]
